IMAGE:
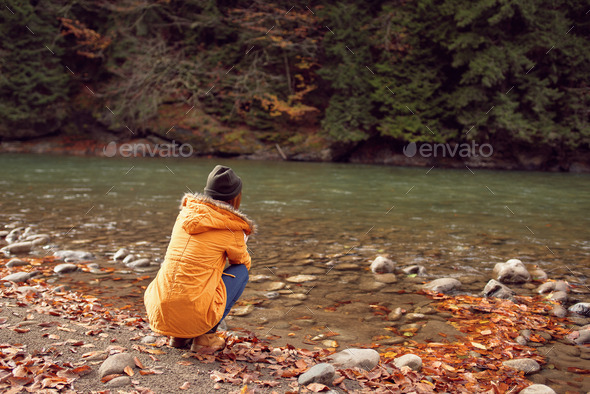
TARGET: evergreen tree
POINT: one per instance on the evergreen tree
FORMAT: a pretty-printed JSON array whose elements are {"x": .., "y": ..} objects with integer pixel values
[{"x": 33, "y": 84}]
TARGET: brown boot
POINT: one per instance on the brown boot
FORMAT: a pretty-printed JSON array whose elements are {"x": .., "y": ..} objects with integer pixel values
[
  {"x": 178, "y": 342},
  {"x": 207, "y": 343}
]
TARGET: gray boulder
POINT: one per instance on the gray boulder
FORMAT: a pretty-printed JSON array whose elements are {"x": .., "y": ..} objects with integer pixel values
[
  {"x": 65, "y": 268},
  {"x": 581, "y": 308},
  {"x": 382, "y": 265},
  {"x": 512, "y": 271},
  {"x": 321, "y": 373},
  {"x": 408, "y": 360},
  {"x": 526, "y": 365},
  {"x": 116, "y": 364},
  {"x": 355, "y": 358},
  {"x": 73, "y": 255},
  {"x": 537, "y": 389},
  {"x": 443, "y": 285},
  {"x": 18, "y": 277},
  {"x": 496, "y": 289},
  {"x": 18, "y": 247}
]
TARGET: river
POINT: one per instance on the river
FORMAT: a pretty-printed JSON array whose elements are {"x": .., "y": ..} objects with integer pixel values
[{"x": 311, "y": 216}]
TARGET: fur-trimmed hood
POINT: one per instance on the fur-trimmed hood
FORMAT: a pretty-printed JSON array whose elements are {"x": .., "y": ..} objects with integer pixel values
[{"x": 206, "y": 213}]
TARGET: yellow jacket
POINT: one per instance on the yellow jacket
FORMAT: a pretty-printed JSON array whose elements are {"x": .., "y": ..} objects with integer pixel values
[{"x": 187, "y": 297}]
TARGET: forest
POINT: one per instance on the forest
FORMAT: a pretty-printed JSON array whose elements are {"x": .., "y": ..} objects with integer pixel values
[{"x": 509, "y": 73}]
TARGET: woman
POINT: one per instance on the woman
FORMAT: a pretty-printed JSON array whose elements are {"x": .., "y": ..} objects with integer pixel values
[{"x": 192, "y": 292}]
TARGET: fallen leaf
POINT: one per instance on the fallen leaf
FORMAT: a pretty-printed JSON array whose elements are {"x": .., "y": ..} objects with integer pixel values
[
  {"x": 185, "y": 386},
  {"x": 110, "y": 377},
  {"x": 129, "y": 371}
]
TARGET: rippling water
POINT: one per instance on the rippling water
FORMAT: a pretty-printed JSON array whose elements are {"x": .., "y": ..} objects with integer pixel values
[{"x": 309, "y": 214}]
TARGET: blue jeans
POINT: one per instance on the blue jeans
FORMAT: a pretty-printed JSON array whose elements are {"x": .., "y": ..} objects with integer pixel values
[{"x": 234, "y": 286}]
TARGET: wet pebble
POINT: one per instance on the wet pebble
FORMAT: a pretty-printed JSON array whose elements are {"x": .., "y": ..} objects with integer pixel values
[
  {"x": 242, "y": 310},
  {"x": 443, "y": 285},
  {"x": 73, "y": 255},
  {"x": 274, "y": 286},
  {"x": 581, "y": 308},
  {"x": 371, "y": 285},
  {"x": 119, "y": 381},
  {"x": 19, "y": 247},
  {"x": 258, "y": 278},
  {"x": 411, "y": 317},
  {"x": 386, "y": 278},
  {"x": 301, "y": 278},
  {"x": 298, "y": 296},
  {"x": 121, "y": 254},
  {"x": 65, "y": 268},
  {"x": 559, "y": 296},
  {"x": 395, "y": 314},
  {"x": 382, "y": 265},
  {"x": 141, "y": 263},
  {"x": 41, "y": 239},
  {"x": 148, "y": 339},
  {"x": 272, "y": 295},
  {"x": 16, "y": 263},
  {"x": 414, "y": 270},
  {"x": 347, "y": 266},
  {"x": 18, "y": 277},
  {"x": 512, "y": 271},
  {"x": 496, "y": 289},
  {"x": 129, "y": 258},
  {"x": 538, "y": 274},
  {"x": 558, "y": 311}
]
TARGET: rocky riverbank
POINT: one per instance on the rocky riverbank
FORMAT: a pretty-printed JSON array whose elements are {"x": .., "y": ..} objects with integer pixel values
[
  {"x": 522, "y": 328},
  {"x": 247, "y": 144}
]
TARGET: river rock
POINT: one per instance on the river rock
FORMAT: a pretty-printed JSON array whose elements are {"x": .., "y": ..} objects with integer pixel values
[
  {"x": 559, "y": 296},
  {"x": 414, "y": 270},
  {"x": 242, "y": 310},
  {"x": 272, "y": 295},
  {"x": 347, "y": 266},
  {"x": 121, "y": 254},
  {"x": 64, "y": 268},
  {"x": 371, "y": 285},
  {"x": 323, "y": 373},
  {"x": 526, "y": 365},
  {"x": 581, "y": 337},
  {"x": 129, "y": 258},
  {"x": 116, "y": 364},
  {"x": 258, "y": 278},
  {"x": 512, "y": 271},
  {"x": 382, "y": 265},
  {"x": 355, "y": 357},
  {"x": 18, "y": 277},
  {"x": 386, "y": 278},
  {"x": 558, "y": 311},
  {"x": 148, "y": 339},
  {"x": 411, "y": 317},
  {"x": 408, "y": 360},
  {"x": 538, "y": 274},
  {"x": 548, "y": 287},
  {"x": 496, "y": 289},
  {"x": 73, "y": 255},
  {"x": 119, "y": 381},
  {"x": 537, "y": 389},
  {"x": 581, "y": 308},
  {"x": 443, "y": 285},
  {"x": 16, "y": 263},
  {"x": 139, "y": 263},
  {"x": 301, "y": 278},
  {"x": 298, "y": 296},
  {"x": 18, "y": 247},
  {"x": 40, "y": 239},
  {"x": 274, "y": 286},
  {"x": 14, "y": 235},
  {"x": 395, "y": 314}
]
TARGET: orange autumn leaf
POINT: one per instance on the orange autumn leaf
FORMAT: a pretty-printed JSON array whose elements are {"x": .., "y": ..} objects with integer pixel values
[
  {"x": 129, "y": 371},
  {"x": 108, "y": 378}
]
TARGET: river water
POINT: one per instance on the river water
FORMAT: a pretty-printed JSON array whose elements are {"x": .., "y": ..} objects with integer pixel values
[{"x": 311, "y": 216}]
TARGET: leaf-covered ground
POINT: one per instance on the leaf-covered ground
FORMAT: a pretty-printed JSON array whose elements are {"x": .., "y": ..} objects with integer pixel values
[{"x": 56, "y": 340}]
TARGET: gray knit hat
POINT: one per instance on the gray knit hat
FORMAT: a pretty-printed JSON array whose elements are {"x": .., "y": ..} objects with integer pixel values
[{"x": 223, "y": 184}]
